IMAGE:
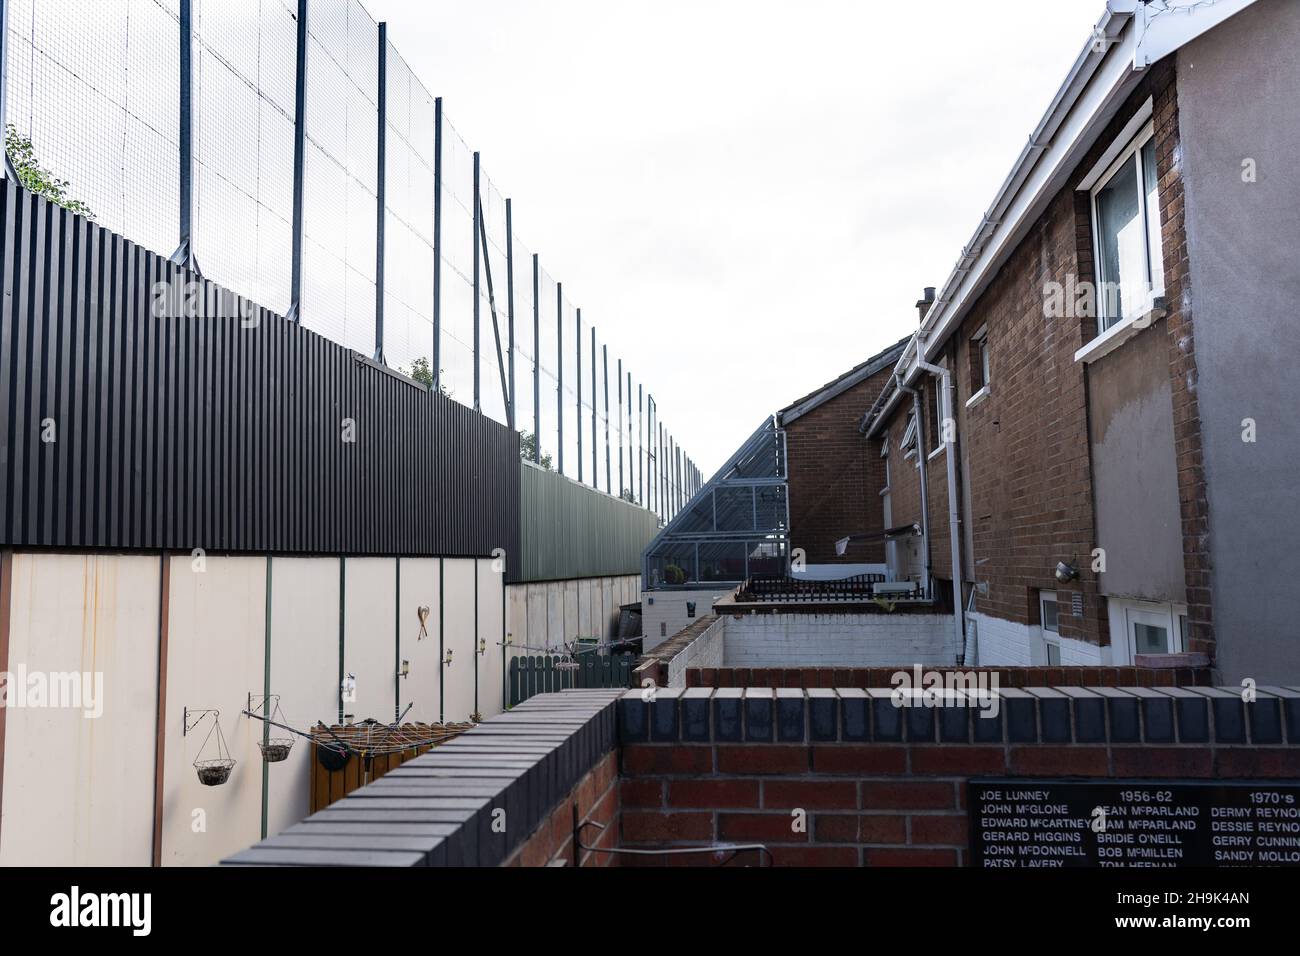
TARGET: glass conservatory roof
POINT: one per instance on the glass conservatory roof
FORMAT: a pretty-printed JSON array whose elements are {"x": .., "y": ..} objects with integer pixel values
[{"x": 734, "y": 527}]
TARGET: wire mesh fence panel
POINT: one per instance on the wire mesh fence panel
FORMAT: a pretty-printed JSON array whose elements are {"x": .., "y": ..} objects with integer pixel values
[
  {"x": 94, "y": 87},
  {"x": 574, "y": 413},
  {"x": 494, "y": 332},
  {"x": 409, "y": 221},
  {"x": 457, "y": 309},
  {"x": 244, "y": 78},
  {"x": 548, "y": 357},
  {"x": 597, "y": 416},
  {"x": 525, "y": 347}
]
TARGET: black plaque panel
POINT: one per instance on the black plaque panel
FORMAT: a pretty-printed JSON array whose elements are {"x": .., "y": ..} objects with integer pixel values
[{"x": 1133, "y": 823}]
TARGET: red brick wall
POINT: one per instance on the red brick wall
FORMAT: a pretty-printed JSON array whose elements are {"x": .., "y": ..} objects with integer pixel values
[
  {"x": 1025, "y": 465},
  {"x": 597, "y": 800},
  {"x": 1182, "y": 365},
  {"x": 870, "y": 804},
  {"x": 836, "y": 476}
]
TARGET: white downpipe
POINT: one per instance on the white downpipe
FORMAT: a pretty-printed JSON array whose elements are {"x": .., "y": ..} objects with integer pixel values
[
  {"x": 925, "y": 489},
  {"x": 954, "y": 513}
]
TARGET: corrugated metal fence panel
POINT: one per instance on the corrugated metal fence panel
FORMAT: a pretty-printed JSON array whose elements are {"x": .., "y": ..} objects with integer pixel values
[
  {"x": 130, "y": 422},
  {"x": 569, "y": 530}
]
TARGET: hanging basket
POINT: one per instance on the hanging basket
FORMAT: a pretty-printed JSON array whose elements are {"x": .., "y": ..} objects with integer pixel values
[
  {"x": 276, "y": 749},
  {"x": 213, "y": 773},
  {"x": 215, "y": 770}
]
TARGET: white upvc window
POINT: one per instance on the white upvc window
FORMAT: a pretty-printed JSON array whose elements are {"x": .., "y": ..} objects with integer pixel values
[
  {"x": 1146, "y": 627},
  {"x": 1126, "y": 233},
  {"x": 908, "y": 443},
  {"x": 1049, "y": 620}
]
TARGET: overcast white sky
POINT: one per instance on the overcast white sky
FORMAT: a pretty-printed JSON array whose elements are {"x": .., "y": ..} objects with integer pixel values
[{"x": 747, "y": 197}]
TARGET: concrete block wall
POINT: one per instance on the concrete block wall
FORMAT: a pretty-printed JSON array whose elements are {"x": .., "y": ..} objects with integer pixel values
[
  {"x": 705, "y": 651},
  {"x": 545, "y": 614}
]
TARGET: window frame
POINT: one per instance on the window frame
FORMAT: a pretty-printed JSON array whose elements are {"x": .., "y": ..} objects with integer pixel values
[
  {"x": 1131, "y": 153},
  {"x": 908, "y": 443},
  {"x": 1051, "y": 636}
]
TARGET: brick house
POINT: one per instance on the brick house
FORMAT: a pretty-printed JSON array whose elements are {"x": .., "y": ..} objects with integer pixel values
[
  {"x": 1100, "y": 380},
  {"x": 835, "y": 480}
]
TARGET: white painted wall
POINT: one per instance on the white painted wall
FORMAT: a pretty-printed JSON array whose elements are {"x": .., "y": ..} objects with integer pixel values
[
  {"x": 664, "y": 613},
  {"x": 419, "y": 589},
  {"x": 838, "y": 640},
  {"x": 459, "y": 638},
  {"x": 78, "y": 791},
  {"x": 81, "y": 792},
  {"x": 215, "y": 650},
  {"x": 304, "y": 672},
  {"x": 707, "y": 650},
  {"x": 1003, "y": 643},
  {"x": 370, "y": 635}
]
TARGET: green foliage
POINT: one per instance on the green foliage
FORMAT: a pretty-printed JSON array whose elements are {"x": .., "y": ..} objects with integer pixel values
[
  {"x": 528, "y": 450},
  {"x": 422, "y": 372},
  {"x": 35, "y": 178}
]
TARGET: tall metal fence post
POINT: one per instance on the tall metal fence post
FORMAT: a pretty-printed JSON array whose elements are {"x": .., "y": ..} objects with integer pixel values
[
  {"x": 622, "y": 483},
  {"x": 577, "y": 337},
  {"x": 437, "y": 242},
  {"x": 631, "y": 445},
  {"x": 477, "y": 303},
  {"x": 510, "y": 313},
  {"x": 381, "y": 150},
  {"x": 184, "y": 254},
  {"x": 537, "y": 361},
  {"x": 559, "y": 371},
  {"x": 604, "y": 361},
  {"x": 299, "y": 164},
  {"x": 640, "y": 444},
  {"x": 595, "y": 450}
]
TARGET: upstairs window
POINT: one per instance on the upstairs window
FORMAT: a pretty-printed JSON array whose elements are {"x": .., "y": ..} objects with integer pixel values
[
  {"x": 908, "y": 442},
  {"x": 1126, "y": 233},
  {"x": 979, "y": 360}
]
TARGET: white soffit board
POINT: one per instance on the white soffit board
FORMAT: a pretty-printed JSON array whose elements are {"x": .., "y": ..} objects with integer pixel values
[{"x": 1164, "y": 27}]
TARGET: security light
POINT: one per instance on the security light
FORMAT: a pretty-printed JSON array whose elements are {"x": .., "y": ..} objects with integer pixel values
[{"x": 1065, "y": 573}]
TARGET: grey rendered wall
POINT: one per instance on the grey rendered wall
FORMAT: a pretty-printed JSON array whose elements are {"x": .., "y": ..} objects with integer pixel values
[
  {"x": 1238, "y": 90},
  {"x": 568, "y": 530},
  {"x": 1134, "y": 472}
]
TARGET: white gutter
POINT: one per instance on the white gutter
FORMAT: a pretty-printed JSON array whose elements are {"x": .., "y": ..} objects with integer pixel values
[
  {"x": 949, "y": 424},
  {"x": 1058, "y": 133}
]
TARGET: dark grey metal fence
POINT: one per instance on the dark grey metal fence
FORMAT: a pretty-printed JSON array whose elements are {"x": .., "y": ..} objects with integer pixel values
[
  {"x": 144, "y": 408},
  {"x": 287, "y": 151}
]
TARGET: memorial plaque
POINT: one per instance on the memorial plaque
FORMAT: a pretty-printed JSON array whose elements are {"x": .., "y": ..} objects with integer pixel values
[{"x": 1133, "y": 823}]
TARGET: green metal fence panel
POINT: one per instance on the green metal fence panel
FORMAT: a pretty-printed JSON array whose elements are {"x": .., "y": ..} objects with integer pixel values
[
  {"x": 532, "y": 675},
  {"x": 568, "y": 530}
]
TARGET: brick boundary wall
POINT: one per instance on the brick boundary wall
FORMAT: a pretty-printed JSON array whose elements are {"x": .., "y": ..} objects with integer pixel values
[
  {"x": 886, "y": 786},
  {"x": 597, "y": 799},
  {"x": 1007, "y": 676},
  {"x": 525, "y": 768}
]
